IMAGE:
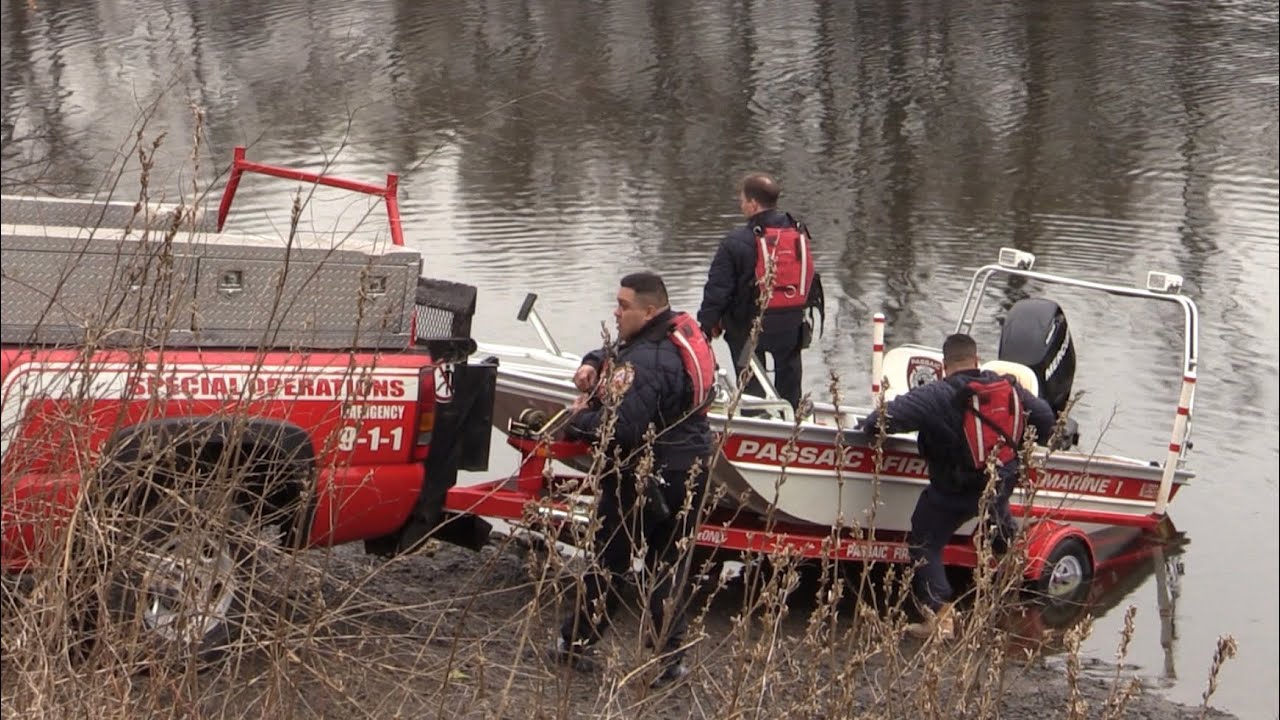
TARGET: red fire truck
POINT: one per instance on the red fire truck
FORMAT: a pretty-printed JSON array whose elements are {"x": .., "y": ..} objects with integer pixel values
[{"x": 318, "y": 382}]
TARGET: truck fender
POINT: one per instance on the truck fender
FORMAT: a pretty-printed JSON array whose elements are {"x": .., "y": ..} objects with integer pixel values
[{"x": 272, "y": 462}]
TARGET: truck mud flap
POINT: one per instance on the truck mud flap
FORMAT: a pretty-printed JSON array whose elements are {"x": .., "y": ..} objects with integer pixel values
[{"x": 460, "y": 441}]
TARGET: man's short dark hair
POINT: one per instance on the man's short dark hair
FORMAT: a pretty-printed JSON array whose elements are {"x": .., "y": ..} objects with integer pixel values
[
  {"x": 648, "y": 287},
  {"x": 959, "y": 349},
  {"x": 760, "y": 188}
]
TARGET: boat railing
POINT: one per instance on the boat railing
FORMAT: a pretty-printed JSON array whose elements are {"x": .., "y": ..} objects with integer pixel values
[
  {"x": 1160, "y": 286},
  {"x": 1164, "y": 287},
  {"x": 560, "y": 366},
  {"x": 772, "y": 405}
]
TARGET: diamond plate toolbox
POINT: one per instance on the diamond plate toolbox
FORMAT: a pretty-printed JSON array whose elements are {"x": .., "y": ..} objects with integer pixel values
[{"x": 66, "y": 285}]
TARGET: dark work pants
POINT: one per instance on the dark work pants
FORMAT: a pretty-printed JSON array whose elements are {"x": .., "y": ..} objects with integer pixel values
[
  {"x": 788, "y": 370},
  {"x": 936, "y": 518},
  {"x": 622, "y": 523}
]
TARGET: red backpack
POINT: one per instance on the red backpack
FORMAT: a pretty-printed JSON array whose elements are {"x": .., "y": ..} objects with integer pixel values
[
  {"x": 698, "y": 358},
  {"x": 793, "y": 265},
  {"x": 993, "y": 416}
]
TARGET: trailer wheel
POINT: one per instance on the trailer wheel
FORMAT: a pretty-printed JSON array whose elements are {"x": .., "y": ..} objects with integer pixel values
[{"x": 1067, "y": 573}]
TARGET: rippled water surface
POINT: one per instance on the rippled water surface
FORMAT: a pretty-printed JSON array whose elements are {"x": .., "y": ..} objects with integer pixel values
[{"x": 551, "y": 146}]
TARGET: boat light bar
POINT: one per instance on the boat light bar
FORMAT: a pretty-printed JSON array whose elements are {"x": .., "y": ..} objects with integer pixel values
[
  {"x": 1015, "y": 258},
  {"x": 1165, "y": 283}
]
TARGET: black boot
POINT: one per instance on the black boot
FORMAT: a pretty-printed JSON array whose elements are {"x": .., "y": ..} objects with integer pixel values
[
  {"x": 673, "y": 670},
  {"x": 579, "y": 656}
]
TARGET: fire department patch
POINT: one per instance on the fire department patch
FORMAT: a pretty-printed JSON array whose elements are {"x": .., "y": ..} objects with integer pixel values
[
  {"x": 922, "y": 370},
  {"x": 621, "y": 379}
]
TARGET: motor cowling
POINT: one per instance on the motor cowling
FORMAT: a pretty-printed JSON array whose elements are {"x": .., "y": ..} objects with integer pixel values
[{"x": 1035, "y": 334}]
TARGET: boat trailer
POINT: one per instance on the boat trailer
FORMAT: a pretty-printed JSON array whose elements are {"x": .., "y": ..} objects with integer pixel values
[{"x": 1060, "y": 558}]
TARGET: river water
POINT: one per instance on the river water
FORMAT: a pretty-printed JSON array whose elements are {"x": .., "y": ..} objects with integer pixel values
[{"x": 553, "y": 146}]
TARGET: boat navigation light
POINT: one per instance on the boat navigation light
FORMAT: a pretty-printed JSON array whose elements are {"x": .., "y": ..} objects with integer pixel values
[
  {"x": 1015, "y": 258},
  {"x": 1159, "y": 282}
]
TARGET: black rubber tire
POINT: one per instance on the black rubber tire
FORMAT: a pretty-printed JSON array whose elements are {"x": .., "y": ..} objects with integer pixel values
[{"x": 177, "y": 593}]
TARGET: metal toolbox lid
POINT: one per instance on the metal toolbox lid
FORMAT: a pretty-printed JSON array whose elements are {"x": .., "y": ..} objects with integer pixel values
[{"x": 343, "y": 291}]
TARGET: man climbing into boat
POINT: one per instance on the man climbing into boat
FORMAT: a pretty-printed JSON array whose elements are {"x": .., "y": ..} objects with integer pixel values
[
  {"x": 771, "y": 247},
  {"x": 962, "y": 420},
  {"x": 661, "y": 375}
]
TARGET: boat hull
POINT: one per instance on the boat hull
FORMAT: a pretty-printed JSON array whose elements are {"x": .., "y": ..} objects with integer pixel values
[{"x": 821, "y": 472}]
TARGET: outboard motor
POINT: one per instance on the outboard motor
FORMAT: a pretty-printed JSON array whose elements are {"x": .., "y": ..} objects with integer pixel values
[{"x": 1035, "y": 334}]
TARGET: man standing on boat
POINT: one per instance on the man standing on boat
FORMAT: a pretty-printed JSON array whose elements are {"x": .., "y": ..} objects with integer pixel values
[
  {"x": 961, "y": 420},
  {"x": 764, "y": 264},
  {"x": 653, "y": 391}
]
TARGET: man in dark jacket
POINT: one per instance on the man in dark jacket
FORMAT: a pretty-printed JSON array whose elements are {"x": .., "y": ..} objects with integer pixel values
[
  {"x": 940, "y": 412},
  {"x": 646, "y": 386},
  {"x": 730, "y": 299}
]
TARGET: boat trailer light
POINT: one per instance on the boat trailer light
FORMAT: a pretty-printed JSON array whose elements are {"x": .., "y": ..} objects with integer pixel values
[
  {"x": 1015, "y": 258},
  {"x": 1165, "y": 283}
]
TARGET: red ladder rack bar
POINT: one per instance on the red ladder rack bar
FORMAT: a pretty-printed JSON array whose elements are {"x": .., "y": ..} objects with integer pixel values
[{"x": 387, "y": 192}]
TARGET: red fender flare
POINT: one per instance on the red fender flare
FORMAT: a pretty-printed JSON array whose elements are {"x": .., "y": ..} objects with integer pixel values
[{"x": 1043, "y": 537}]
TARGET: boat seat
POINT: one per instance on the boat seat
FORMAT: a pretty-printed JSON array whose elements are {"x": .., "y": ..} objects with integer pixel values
[
  {"x": 909, "y": 366},
  {"x": 1025, "y": 376}
]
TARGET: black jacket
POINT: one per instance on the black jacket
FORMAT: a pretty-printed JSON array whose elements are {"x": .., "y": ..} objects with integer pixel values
[
  {"x": 936, "y": 412},
  {"x": 732, "y": 292},
  {"x": 660, "y": 394}
]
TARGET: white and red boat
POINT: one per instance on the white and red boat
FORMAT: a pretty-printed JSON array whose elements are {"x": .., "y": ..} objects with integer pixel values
[{"x": 793, "y": 480}]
